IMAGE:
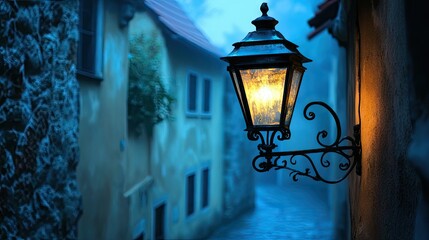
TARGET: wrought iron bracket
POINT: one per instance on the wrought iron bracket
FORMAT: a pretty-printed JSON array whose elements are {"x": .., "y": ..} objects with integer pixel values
[{"x": 346, "y": 149}]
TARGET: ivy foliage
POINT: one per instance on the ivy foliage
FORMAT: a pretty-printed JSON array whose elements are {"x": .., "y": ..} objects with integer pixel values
[{"x": 149, "y": 102}]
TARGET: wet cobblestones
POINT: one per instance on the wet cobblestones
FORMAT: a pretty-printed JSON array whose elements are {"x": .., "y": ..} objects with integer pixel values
[{"x": 288, "y": 212}]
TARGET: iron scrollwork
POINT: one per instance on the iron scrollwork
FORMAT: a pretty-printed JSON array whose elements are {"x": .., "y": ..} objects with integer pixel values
[{"x": 347, "y": 150}]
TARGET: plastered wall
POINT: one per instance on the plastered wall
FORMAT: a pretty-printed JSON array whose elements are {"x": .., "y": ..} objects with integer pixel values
[
  {"x": 383, "y": 199},
  {"x": 101, "y": 172}
]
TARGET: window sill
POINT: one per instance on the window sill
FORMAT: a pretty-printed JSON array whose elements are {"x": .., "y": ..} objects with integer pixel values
[
  {"x": 190, "y": 217},
  {"x": 86, "y": 76},
  {"x": 192, "y": 115},
  {"x": 205, "y": 209},
  {"x": 205, "y": 116}
]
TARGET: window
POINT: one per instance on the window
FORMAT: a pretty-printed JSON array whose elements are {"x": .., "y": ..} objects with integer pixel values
[
  {"x": 205, "y": 188},
  {"x": 192, "y": 93},
  {"x": 89, "y": 46},
  {"x": 206, "y": 96},
  {"x": 199, "y": 94},
  {"x": 190, "y": 194}
]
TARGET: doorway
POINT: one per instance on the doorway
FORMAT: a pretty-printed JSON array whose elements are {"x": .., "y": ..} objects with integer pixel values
[{"x": 160, "y": 221}]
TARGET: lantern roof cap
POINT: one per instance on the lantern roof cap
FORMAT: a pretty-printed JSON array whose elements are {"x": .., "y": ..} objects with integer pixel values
[{"x": 265, "y": 41}]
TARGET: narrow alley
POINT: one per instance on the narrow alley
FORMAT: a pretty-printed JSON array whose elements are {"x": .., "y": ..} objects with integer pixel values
[{"x": 295, "y": 211}]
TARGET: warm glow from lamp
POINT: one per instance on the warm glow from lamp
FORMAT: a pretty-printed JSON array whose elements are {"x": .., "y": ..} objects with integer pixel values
[
  {"x": 264, "y": 91},
  {"x": 264, "y": 94}
]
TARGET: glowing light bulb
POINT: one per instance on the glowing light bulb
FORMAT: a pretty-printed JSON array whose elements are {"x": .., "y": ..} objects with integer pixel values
[{"x": 264, "y": 93}]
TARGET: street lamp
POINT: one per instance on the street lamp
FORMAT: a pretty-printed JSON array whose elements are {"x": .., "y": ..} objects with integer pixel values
[{"x": 266, "y": 71}]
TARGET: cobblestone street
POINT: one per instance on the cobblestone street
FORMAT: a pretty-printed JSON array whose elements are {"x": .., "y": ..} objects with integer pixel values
[{"x": 294, "y": 211}]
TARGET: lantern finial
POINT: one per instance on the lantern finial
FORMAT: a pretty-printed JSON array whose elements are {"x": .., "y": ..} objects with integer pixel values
[
  {"x": 265, "y": 22},
  {"x": 264, "y": 9}
]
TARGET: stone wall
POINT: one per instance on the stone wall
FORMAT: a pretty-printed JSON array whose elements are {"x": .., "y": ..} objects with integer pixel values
[{"x": 39, "y": 111}]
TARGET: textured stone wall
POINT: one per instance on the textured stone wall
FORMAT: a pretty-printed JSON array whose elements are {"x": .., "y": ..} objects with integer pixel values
[{"x": 39, "y": 151}]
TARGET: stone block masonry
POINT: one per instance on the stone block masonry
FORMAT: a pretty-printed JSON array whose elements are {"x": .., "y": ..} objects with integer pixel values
[{"x": 39, "y": 114}]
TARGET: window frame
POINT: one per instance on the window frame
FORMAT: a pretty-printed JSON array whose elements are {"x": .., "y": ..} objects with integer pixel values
[
  {"x": 97, "y": 18},
  {"x": 189, "y": 112},
  {"x": 187, "y": 194},
  {"x": 205, "y": 192},
  {"x": 206, "y": 100},
  {"x": 201, "y": 101}
]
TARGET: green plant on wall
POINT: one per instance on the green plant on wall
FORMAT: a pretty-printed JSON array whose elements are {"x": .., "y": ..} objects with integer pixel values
[{"x": 149, "y": 102}]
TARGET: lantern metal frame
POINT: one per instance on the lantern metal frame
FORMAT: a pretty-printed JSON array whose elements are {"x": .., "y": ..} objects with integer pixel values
[
  {"x": 239, "y": 90},
  {"x": 347, "y": 148},
  {"x": 267, "y": 48}
]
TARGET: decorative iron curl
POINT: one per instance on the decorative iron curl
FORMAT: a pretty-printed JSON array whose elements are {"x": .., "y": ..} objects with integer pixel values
[
  {"x": 254, "y": 135},
  {"x": 262, "y": 166},
  {"x": 263, "y": 163},
  {"x": 348, "y": 148},
  {"x": 283, "y": 134},
  {"x": 267, "y": 143},
  {"x": 323, "y": 134}
]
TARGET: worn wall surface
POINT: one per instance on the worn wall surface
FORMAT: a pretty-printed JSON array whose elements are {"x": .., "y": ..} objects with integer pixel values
[
  {"x": 184, "y": 144},
  {"x": 194, "y": 142},
  {"x": 239, "y": 179},
  {"x": 39, "y": 148},
  {"x": 140, "y": 175},
  {"x": 384, "y": 198},
  {"x": 102, "y": 138}
]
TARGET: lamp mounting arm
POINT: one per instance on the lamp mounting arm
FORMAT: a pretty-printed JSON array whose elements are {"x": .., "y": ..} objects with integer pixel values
[{"x": 344, "y": 152}]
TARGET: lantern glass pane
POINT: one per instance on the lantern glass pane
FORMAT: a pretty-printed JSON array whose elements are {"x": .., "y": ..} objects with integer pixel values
[
  {"x": 237, "y": 87},
  {"x": 264, "y": 91},
  {"x": 291, "y": 100},
  {"x": 237, "y": 90}
]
